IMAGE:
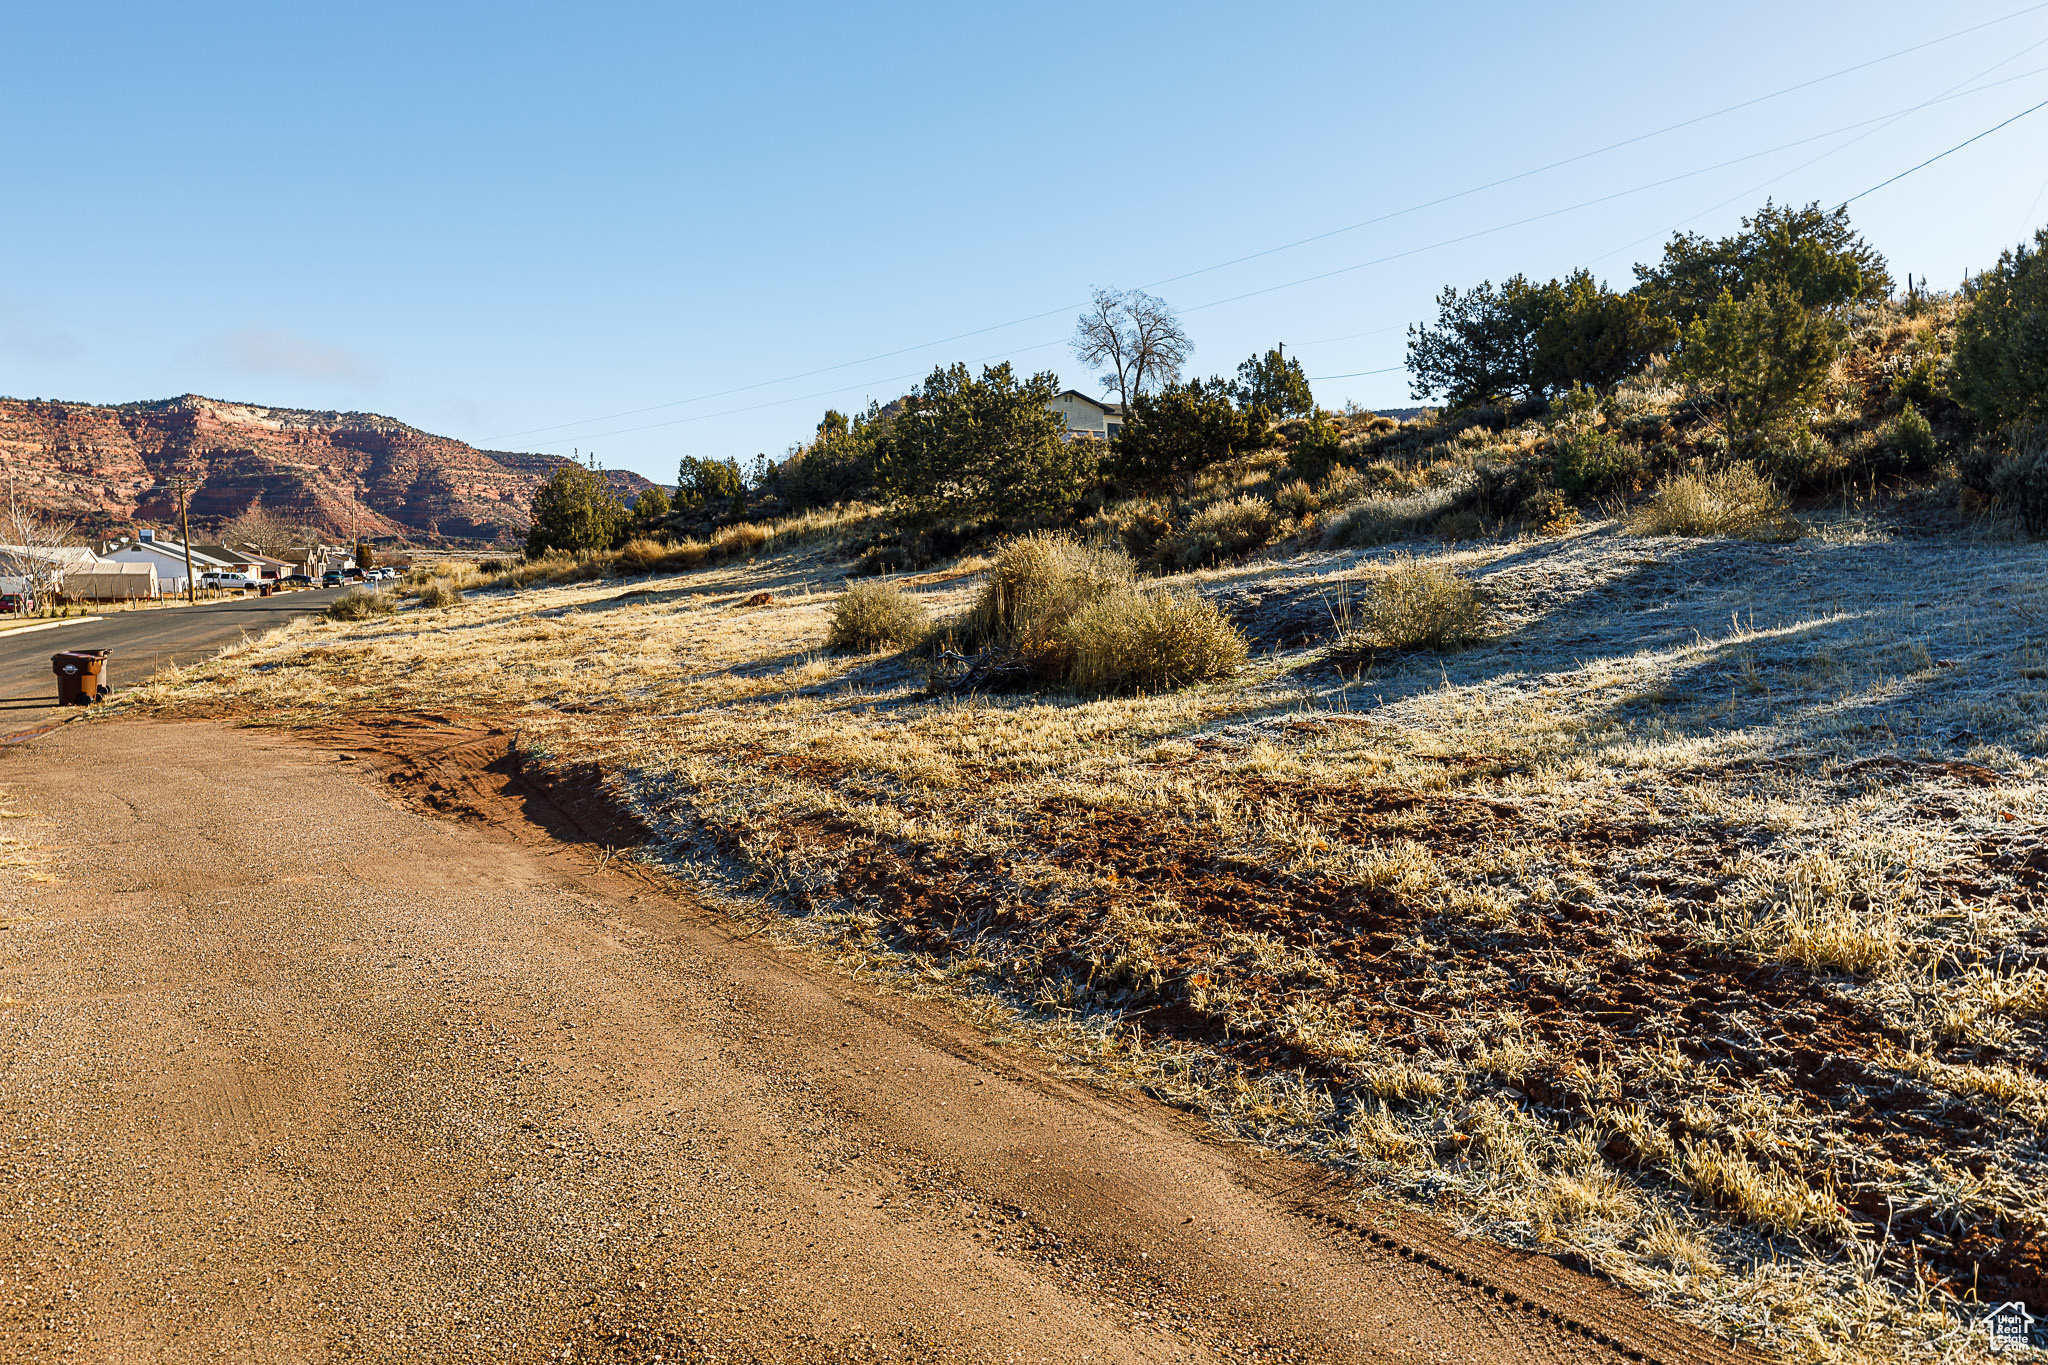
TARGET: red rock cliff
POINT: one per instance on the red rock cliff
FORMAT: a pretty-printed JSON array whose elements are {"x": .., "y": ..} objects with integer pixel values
[{"x": 105, "y": 465}]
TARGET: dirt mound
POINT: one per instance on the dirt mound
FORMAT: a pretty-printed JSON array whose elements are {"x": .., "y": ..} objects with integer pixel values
[{"x": 472, "y": 768}]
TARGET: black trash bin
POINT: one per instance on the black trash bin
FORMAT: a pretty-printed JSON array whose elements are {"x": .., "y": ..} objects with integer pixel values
[{"x": 81, "y": 676}]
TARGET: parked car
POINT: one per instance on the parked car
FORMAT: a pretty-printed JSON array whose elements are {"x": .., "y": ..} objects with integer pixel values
[
  {"x": 219, "y": 579},
  {"x": 298, "y": 580},
  {"x": 11, "y": 602},
  {"x": 331, "y": 579}
]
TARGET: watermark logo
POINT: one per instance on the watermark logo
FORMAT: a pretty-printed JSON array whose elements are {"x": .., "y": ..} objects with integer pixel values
[{"x": 2011, "y": 1327}]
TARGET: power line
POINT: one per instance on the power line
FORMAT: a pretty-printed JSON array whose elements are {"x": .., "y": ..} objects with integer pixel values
[
  {"x": 1956, "y": 91},
  {"x": 1939, "y": 155},
  {"x": 1601, "y": 151},
  {"x": 1582, "y": 204},
  {"x": 1882, "y": 119},
  {"x": 1352, "y": 227},
  {"x": 1355, "y": 374}
]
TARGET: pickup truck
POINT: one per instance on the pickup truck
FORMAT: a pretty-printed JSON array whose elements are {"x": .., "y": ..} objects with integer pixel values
[{"x": 229, "y": 580}]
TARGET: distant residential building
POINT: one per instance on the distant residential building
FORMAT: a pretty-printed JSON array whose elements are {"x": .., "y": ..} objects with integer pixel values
[
  {"x": 242, "y": 559},
  {"x": 1085, "y": 416},
  {"x": 167, "y": 556},
  {"x": 47, "y": 563}
]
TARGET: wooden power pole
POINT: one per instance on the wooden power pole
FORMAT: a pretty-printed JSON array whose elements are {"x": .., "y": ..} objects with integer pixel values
[{"x": 181, "y": 487}]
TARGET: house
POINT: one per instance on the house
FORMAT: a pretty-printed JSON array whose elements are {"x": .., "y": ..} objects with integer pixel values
[
  {"x": 166, "y": 556},
  {"x": 262, "y": 567},
  {"x": 1086, "y": 417},
  {"x": 47, "y": 564}
]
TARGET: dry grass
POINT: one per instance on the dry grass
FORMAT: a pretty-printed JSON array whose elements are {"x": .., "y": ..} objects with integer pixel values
[
  {"x": 877, "y": 614},
  {"x": 1139, "y": 641},
  {"x": 1555, "y": 919},
  {"x": 1734, "y": 500},
  {"x": 361, "y": 604},
  {"x": 440, "y": 592},
  {"x": 1411, "y": 604}
]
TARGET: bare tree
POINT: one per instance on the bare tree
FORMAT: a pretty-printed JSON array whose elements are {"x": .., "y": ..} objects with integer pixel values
[
  {"x": 265, "y": 532},
  {"x": 1135, "y": 337},
  {"x": 30, "y": 541}
]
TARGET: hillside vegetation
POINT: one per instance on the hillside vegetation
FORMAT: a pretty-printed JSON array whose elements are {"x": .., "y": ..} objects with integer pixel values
[{"x": 1783, "y": 352}]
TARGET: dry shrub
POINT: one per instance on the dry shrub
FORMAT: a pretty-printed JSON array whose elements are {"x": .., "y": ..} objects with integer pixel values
[
  {"x": 641, "y": 554},
  {"x": 1733, "y": 501},
  {"x": 1297, "y": 500},
  {"x": 1218, "y": 531},
  {"x": 361, "y": 604},
  {"x": 1379, "y": 518},
  {"x": 877, "y": 614},
  {"x": 552, "y": 567},
  {"x": 1068, "y": 612},
  {"x": 440, "y": 592},
  {"x": 1401, "y": 1081},
  {"x": 686, "y": 554},
  {"x": 1137, "y": 641},
  {"x": 738, "y": 541},
  {"x": 1035, "y": 586},
  {"x": 1415, "y": 604}
]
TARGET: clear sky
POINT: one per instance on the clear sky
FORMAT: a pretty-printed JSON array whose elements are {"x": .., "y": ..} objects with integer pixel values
[{"x": 512, "y": 223}]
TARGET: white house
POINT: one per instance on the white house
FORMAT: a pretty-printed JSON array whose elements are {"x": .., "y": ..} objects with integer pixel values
[
  {"x": 45, "y": 563},
  {"x": 168, "y": 556},
  {"x": 1086, "y": 417}
]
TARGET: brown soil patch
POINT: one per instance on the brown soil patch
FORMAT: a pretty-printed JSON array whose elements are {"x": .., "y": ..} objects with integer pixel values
[{"x": 1793, "y": 1032}]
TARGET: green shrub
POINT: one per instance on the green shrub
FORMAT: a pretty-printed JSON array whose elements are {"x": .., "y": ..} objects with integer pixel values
[
  {"x": 1415, "y": 604},
  {"x": 439, "y": 593},
  {"x": 1137, "y": 641},
  {"x": 1734, "y": 501},
  {"x": 361, "y": 604},
  {"x": 1550, "y": 513},
  {"x": 1217, "y": 532},
  {"x": 1907, "y": 444},
  {"x": 2017, "y": 479},
  {"x": 1593, "y": 463},
  {"x": 575, "y": 511},
  {"x": 2000, "y": 367},
  {"x": 1314, "y": 446},
  {"x": 1920, "y": 383},
  {"x": 876, "y": 614},
  {"x": 1499, "y": 490}
]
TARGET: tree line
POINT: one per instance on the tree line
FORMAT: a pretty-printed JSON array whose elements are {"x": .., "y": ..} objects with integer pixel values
[{"x": 1750, "y": 323}]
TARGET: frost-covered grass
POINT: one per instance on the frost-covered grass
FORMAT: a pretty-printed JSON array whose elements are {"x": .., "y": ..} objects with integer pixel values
[{"x": 1496, "y": 928}]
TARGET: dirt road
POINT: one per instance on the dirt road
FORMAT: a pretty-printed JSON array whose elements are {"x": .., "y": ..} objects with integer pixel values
[{"x": 295, "y": 1072}]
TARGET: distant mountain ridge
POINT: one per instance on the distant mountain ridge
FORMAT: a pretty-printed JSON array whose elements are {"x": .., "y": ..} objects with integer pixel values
[{"x": 105, "y": 465}]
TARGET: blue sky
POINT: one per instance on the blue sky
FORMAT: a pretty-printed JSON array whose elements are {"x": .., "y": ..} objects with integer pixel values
[{"x": 629, "y": 229}]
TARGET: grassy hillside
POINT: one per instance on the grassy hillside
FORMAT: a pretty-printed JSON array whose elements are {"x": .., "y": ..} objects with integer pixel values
[{"x": 1685, "y": 919}]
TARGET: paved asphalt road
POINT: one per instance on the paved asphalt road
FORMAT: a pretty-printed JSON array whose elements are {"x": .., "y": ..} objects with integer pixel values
[{"x": 142, "y": 641}]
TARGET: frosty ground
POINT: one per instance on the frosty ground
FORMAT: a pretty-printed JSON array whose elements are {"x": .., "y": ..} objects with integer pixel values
[{"x": 1688, "y": 925}]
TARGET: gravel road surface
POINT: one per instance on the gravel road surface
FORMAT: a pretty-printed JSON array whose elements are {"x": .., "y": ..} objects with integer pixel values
[
  {"x": 142, "y": 641},
  {"x": 294, "y": 1072}
]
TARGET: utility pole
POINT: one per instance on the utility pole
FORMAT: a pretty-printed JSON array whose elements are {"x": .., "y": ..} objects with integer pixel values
[{"x": 180, "y": 487}]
